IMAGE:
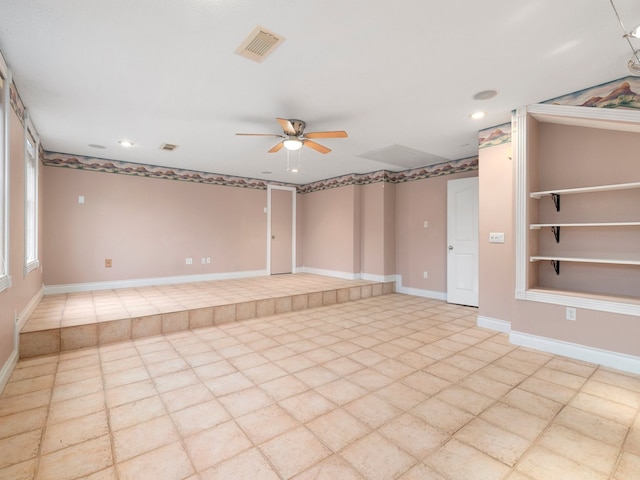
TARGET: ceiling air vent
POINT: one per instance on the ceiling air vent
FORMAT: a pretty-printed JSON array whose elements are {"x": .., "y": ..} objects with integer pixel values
[
  {"x": 169, "y": 147},
  {"x": 259, "y": 44}
]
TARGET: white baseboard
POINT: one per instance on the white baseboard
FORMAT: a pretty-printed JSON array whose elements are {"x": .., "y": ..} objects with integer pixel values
[
  {"x": 329, "y": 273},
  {"x": 149, "y": 282},
  {"x": 378, "y": 278},
  {"x": 28, "y": 310},
  {"x": 619, "y": 361},
  {"x": 494, "y": 324},
  {"x": 7, "y": 369},
  {"x": 418, "y": 292}
]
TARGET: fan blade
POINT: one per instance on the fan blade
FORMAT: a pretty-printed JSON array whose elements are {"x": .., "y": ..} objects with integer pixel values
[
  {"x": 277, "y": 148},
  {"x": 316, "y": 146},
  {"x": 260, "y": 134},
  {"x": 334, "y": 134},
  {"x": 287, "y": 126}
]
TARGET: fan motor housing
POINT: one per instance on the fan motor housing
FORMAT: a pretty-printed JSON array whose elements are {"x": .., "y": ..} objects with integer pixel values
[{"x": 298, "y": 126}]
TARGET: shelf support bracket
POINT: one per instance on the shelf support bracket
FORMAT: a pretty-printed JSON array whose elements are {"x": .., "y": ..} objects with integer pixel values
[
  {"x": 556, "y": 266},
  {"x": 556, "y": 200},
  {"x": 556, "y": 233}
]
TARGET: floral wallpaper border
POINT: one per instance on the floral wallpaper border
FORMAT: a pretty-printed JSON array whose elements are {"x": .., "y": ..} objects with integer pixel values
[
  {"x": 490, "y": 137},
  {"x": 447, "y": 168},
  {"x": 79, "y": 162},
  {"x": 615, "y": 94},
  {"x": 93, "y": 164}
]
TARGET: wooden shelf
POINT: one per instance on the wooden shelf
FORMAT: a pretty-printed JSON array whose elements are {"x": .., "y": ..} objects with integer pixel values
[
  {"x": 536, "y": 226},
  {"x": 597, "y": 188},
  {"x": 608, "y": 259}
]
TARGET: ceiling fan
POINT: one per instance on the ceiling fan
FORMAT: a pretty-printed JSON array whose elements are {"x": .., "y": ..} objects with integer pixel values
[{"x": 294, "y": 137}]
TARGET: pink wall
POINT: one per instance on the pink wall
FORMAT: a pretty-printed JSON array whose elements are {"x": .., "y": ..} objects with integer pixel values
[
  {"x": 420, "y": 249},
  {"x": 389, "y": 229},
  {"x": 148, "y": 227},
  {"x": 328, "y": 231},
  {"x": 16, "y": 299},
  {"x": 372, "y": 233},
  {"x": 300, "y": 203},
  {"x": 497, "y": 260},
  {"x": 602, "y": 330}
]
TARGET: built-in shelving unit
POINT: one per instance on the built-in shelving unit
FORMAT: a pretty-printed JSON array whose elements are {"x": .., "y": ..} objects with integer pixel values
[{"x": 600, "y": 244}]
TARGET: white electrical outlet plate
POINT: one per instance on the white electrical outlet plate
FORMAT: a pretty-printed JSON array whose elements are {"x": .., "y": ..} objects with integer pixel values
[
  {"x": 496, "y": 237},
  {"x": 189, "y": 261},
  {"x": 81, "y": 199},
  {"x": 571, "y": 313},
  {"x": 426, "y": 275},
  {"x": 426, "y": 224}
]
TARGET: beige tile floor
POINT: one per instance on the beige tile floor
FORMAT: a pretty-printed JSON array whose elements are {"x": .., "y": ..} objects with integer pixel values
[
  {"x": 379, "y": 388},
  {"x": 87, "y": 319}
]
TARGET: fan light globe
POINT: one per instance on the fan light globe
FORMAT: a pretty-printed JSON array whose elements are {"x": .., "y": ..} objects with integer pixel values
[
  {"x": 634, "y": 63},
  {"x": 292, "y": 144}
]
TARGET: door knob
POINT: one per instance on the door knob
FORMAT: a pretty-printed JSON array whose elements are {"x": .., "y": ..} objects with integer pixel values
[{"x": 450, "y": 247}]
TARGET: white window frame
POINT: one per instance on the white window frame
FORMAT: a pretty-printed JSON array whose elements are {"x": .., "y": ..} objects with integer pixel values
[
  {"x": 5, "y": 277},
  {"x": 31, "y": 261}
]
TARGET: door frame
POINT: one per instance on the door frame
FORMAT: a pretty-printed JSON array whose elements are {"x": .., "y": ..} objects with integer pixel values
[{"x": 293, "y": 191}]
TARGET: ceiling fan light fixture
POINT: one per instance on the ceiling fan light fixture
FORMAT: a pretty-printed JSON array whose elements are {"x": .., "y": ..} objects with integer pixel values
[
  {"x": 634, "y": 63},
  {"x": 292, "y": 144}
]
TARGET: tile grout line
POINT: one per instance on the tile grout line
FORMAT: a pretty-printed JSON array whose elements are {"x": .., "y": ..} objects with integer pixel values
[{"x": 106, "y": 410}]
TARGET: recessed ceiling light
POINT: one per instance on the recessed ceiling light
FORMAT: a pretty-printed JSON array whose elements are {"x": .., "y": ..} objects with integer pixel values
[
  {"x": 95, "y": 145},
  {"x": 477, "y": 115},
  {"x": 126, "y": 143},
  {"x": 485, "y": 95}
]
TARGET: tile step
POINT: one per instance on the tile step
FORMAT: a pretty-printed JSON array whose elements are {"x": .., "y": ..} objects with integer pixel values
[{"x": 55, "y": 340}]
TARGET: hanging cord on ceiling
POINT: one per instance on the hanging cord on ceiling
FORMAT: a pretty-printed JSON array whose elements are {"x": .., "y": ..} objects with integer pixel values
[
  {"x": 295, "y": 168},
  {"x": 634, "y": 62}
]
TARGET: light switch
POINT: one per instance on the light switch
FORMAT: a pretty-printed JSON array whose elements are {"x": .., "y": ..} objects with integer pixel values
[
  {"x": 81, "y": 199},
  {"x": 496, "y": 237},
  {"x": 426, "y": 224}
]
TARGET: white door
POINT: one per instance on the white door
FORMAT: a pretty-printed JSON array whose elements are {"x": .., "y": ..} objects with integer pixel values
[
  {"x": 281, "y": 230},
  {"x": 462, "y": 241}
]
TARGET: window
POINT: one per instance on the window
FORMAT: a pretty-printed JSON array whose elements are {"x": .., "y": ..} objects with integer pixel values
[
  {"x": 4, "y": 177},
  {"x": 30, "y": 198}
]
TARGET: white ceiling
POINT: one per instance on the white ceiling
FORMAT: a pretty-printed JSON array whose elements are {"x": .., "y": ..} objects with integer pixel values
[{"x": 397, "y": 76}]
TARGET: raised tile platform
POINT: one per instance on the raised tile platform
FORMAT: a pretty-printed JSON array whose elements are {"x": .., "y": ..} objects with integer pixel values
[{"x": 78, "y": 320}]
